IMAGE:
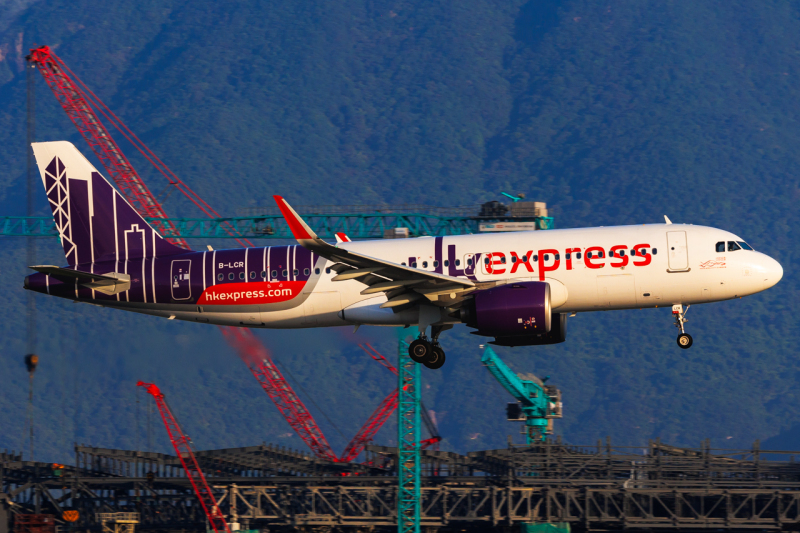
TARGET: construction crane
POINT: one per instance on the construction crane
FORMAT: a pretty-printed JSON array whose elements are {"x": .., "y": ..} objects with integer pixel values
[
  {"x": 258, "y": 360},
  {"x": 435, "y": 438},
  {"x": 181, "y": 443},
  {"x": 537, "y": 404},
  {"x": 80, "y": 103},
  {"x": 82, "y": 106},
  {"x": 408, "y": 442}
]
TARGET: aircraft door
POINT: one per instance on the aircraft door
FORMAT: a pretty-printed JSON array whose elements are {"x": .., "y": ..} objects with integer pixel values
[
  {"x": 677, "y": 250},
  {"x": 179, "y": 278}
]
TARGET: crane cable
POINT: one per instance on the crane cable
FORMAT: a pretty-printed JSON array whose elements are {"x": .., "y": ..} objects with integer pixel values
[{"x": 30, "y": 250}]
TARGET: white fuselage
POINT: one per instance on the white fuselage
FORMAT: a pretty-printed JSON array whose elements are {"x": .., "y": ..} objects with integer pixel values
[{"x": 673, "y": 264}]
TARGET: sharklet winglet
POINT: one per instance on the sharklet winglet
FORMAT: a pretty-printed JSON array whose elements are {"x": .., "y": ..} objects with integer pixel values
[{"x": 297, "y": 225}]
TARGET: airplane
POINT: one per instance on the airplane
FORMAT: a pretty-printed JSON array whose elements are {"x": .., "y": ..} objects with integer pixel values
[{"x": 517, "y": 287}]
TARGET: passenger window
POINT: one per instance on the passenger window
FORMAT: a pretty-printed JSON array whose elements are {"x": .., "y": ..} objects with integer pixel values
[
  {"x": 285, "y": 273},
  {"x": 547, "y": 257},
  {"x": 220, "y": 277},
  {"x": 403, "y": 263},
  {"x": 568, "y": 256},
  {"x": 524, "y": 258},
  {"x": 275, "y": 273},
  {"x": 295, "y": 272},
  {"x": 305, "y": 272},
  {"x": 745, "y": 245},
  {"x": 436, "y": 264},
  {"x": 622, "y": 253},
  {"x": 558, "y": 257},
  {"x": 589, "y": 255},
  {"x": 316, "y": 271},
  {"x": 721, "y": 247},
  {"x": 503, "y": 260},
  {"x": 252, "y": 274},
  {"x": 732, "y": 246},
  {"x": 241, "y": 275},
  {"x": 231, "y": 276},
  {"x": 446, "y": 263},
  {"x": 578, "y": 255},
  {"x": 327, "y": 271},
  {"x": 424, "y": 264},
  {"x": 633, "y": 252},
  {"x": 263, "y": 274},
  {"x": 513, "y": 259},
  {"x": 655, "y": 251}
]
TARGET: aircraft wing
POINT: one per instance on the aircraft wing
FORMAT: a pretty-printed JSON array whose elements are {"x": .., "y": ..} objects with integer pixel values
[{"x": 402, "y": 284}]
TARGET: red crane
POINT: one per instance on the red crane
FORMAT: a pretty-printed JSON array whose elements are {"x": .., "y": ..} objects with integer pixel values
[
  {"x": 184, "y": 452},
  {"x": 81, "y": 105},
  {"x": 258, "y": 360},
  {"x": 433, "y": 431}
]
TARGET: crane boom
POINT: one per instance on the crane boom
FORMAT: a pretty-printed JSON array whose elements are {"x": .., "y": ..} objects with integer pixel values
[
  {"x": 539, "y": 402},
  {"x": 260, "y": 363},
  {"x": 79, "y": 110},
  {"x": 180, "y": 441}
]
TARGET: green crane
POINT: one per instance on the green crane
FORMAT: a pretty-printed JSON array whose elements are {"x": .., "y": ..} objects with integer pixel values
[
  {"x": 408, "y": 442},
  {"x": 537, "y": 404}
]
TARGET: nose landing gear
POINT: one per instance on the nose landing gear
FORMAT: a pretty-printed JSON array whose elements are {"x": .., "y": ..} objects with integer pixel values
[{"x": 684, "y": 339}]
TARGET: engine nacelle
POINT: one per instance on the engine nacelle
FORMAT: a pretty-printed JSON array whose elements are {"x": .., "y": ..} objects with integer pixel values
[{"x": 516, "y": 314}]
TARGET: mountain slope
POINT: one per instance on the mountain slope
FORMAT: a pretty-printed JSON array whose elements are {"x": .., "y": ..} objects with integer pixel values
[{"x": 612, "y": 113}]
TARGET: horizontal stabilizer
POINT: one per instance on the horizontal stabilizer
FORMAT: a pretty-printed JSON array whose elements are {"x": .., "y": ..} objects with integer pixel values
[{"x": 108, "y": 283}]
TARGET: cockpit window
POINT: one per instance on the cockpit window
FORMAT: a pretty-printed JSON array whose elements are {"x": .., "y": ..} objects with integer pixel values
[
  {"x": 732, "y": 246},
  {"x": 721, "y": 247},
  {"x": 745, "y": 245}
]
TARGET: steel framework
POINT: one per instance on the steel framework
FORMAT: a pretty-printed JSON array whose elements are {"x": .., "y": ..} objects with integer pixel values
[{"x": 593, "y": 488}]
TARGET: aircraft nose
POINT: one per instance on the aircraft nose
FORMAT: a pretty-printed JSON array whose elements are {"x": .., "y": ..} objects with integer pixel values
[{"x": 773, "y": 272}]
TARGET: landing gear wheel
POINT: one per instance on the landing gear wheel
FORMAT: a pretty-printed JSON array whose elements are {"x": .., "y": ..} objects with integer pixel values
[
  {"x": 436, "y": 358},
  {"x": 420, "y": 350},
  {"x": 685, "y": 341}
]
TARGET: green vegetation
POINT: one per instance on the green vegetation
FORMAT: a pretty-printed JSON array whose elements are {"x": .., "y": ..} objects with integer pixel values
[{"x": 613, "y": 113}]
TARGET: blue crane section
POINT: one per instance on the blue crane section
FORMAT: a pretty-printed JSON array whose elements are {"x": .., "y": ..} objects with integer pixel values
[
  {"x": 537, "y": 404},
  {"x": 326, "y": 225}
]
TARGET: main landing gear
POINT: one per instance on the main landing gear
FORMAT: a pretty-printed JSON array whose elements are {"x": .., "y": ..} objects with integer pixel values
[
  {"x": 426, "y": 352},
  {"x": 684, "y": 339}
]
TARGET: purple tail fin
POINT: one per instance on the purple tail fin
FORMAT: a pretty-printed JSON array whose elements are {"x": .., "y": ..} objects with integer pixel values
[{"x": 93, "y": 221}]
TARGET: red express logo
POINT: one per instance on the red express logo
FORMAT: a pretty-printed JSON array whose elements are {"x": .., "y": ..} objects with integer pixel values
[
  {"x": 251, "y": 293},
  {"x": 550, "y": 260}
]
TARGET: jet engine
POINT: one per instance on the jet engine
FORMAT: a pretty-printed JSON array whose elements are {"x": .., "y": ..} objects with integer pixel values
[{"x": 516, "y": 314}]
